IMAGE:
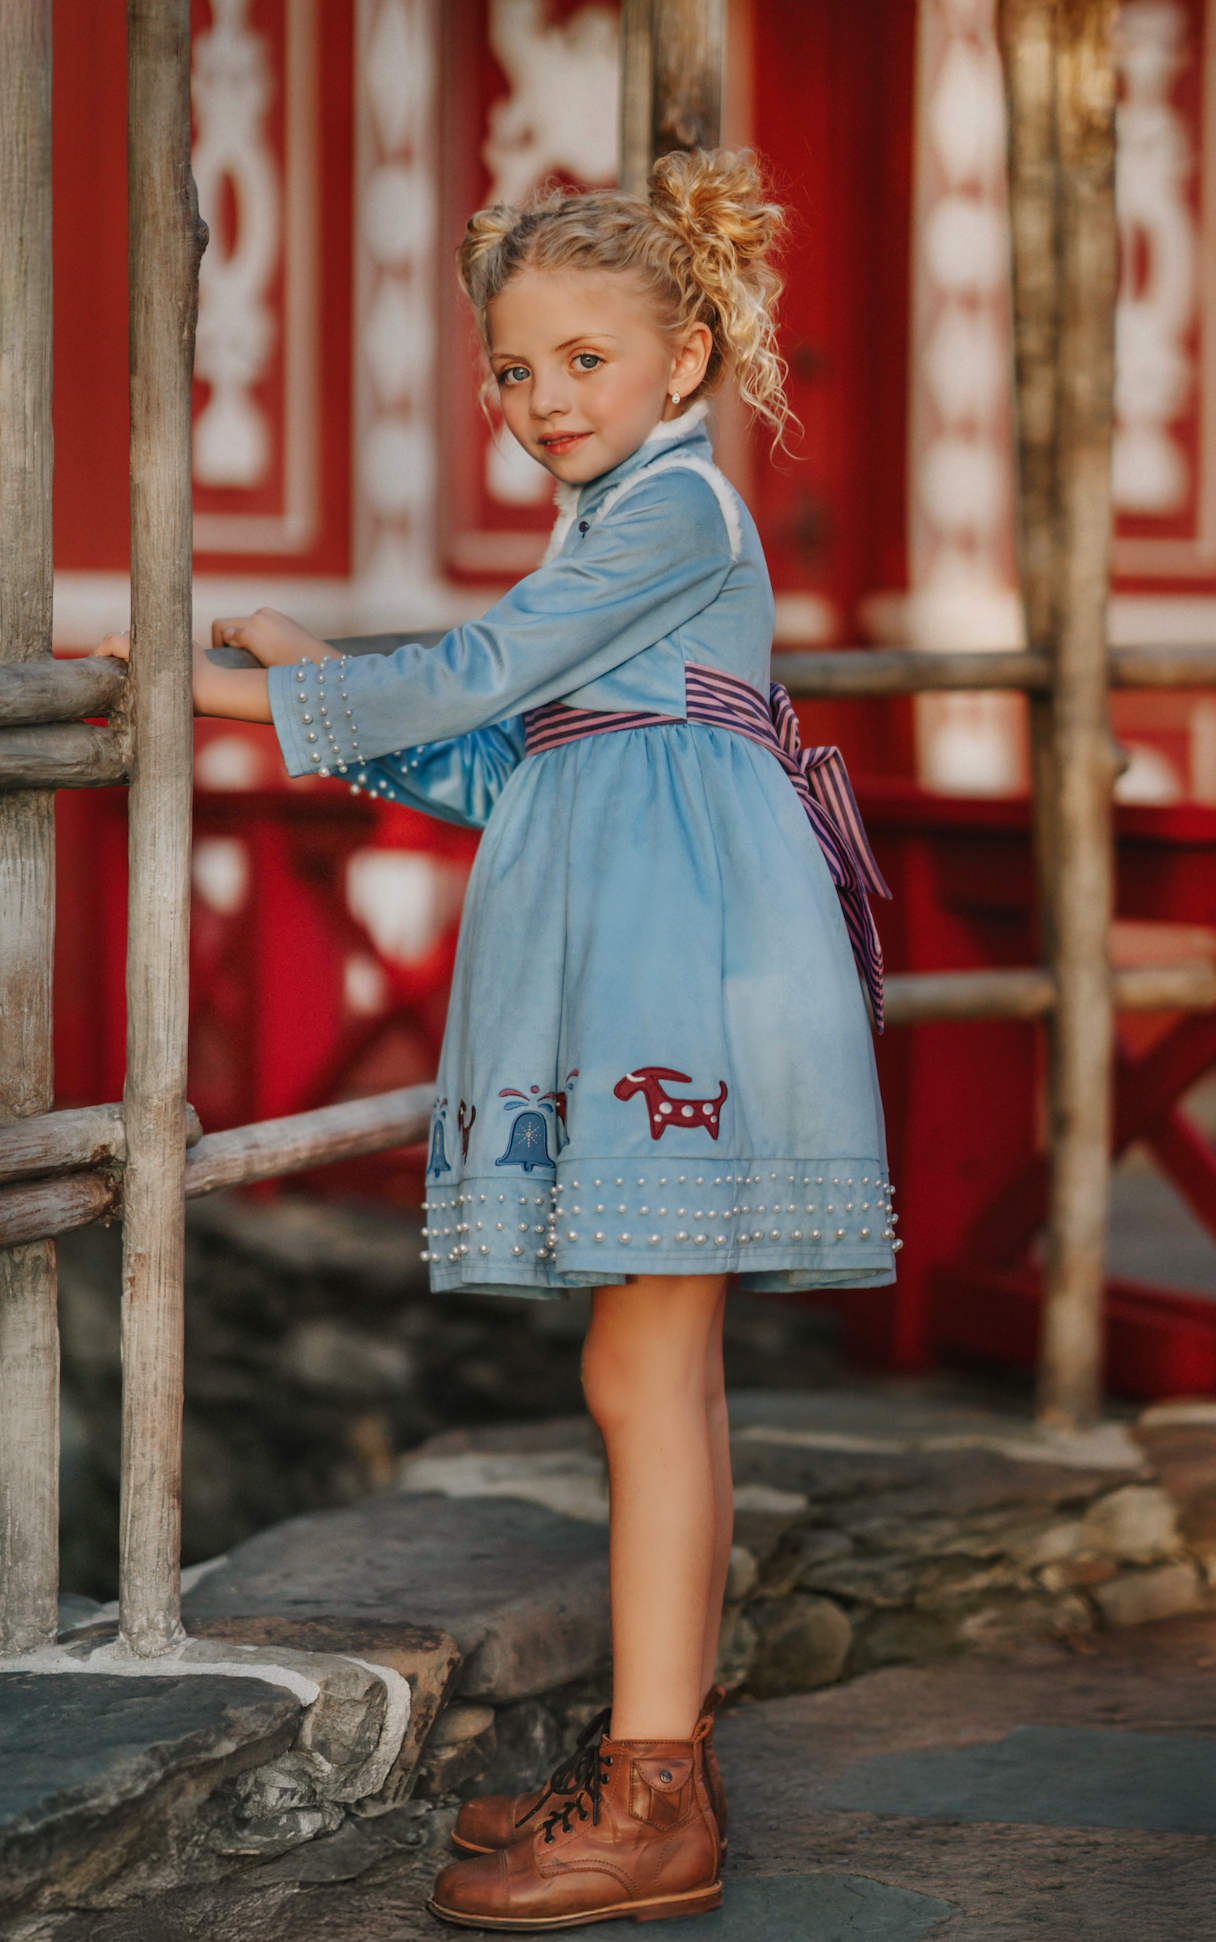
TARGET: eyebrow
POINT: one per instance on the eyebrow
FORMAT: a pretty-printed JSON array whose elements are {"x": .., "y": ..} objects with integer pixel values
[{"x": 584, "y": 337}]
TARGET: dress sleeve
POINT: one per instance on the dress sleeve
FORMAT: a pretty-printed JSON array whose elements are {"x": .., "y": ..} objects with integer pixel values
[
  {"x": 659, "y": 558},
  {"x": 458, "y": 781}
]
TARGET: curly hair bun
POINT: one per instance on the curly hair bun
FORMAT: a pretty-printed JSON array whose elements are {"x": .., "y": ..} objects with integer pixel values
[{"x": 702, "y": 242}]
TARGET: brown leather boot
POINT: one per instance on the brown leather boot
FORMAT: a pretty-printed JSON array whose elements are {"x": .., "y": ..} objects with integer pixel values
[
  {"x": 635, "y": 1838},
  {"x": 714, "y": 1786},
  {"x": 495, "y": 1820}
]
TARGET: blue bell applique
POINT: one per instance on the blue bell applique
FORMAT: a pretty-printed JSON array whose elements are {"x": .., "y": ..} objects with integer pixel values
[
  {"x": 528, "y": 1145},
  {"x": 438, "y": 1162}
]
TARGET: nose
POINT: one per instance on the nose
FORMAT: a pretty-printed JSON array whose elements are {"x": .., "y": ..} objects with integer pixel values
[{"x": 549, "y": 395}]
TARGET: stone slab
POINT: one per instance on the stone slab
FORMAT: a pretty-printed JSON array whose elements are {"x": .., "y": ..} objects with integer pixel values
[
  {"x": 804, "y": 1908},
  {"x": 782, "y": 1759},
  {"x": 104, "y": 1777},
  {"x": 426, "y": 1656},
  {"x": 523, "y": 1591},
  {"x": 1060, "y": 1776}
]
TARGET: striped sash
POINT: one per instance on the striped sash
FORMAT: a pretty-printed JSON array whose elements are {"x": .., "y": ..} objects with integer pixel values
[{"x": 818, "y": 774}]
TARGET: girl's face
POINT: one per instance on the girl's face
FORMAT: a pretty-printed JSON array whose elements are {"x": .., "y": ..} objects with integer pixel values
[{"x": 583, "y": 371}]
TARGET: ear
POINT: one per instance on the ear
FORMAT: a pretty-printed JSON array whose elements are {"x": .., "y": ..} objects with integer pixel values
[{"x": 689, "y": 364}]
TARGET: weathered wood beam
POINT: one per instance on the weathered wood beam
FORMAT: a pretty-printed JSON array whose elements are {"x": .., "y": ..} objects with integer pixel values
[
  {"x": 939, "y": 997},
  {"x": 1162, "y": 667},
  {"x": 62, "y": 755},
  {"x": 265, "y": 1151},
  {"x": 1061, "y": 95},
  {"x": 37, "y": 1209},
  {"x": 29, "y": 1337},
  {"x": 906, "y": 671},
  {"x": 910, "y": 671},
  {"x": 81, "y": 1136},
  {"x": 274, "y": 1147},
  {"x": 935, "y": 997},
  {"x": 671, "y": 82},
  {"x": 166, "y": 242},
  {"x": 60, "y": 691}
]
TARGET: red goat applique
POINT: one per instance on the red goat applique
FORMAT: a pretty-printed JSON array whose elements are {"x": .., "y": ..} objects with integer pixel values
[{"x": 664, "y": 1112}]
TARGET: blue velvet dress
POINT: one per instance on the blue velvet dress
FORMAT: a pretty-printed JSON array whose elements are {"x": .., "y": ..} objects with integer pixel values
[{"x": 658, "y": 1056}]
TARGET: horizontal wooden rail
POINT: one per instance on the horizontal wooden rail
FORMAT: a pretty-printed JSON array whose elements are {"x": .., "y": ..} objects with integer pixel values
[
  {"x": 81, "y": 1136},
  {"x": 37, "y": 1209},
  {"x": 62, "y": 755},
  {"x": 303, "y": 1140},
  {"x": 933, "y": 997},
  {"x": 265, "y": 1151},
  {"x": 937, "y": 997},
  {"x": 908, "y": 671},
  {"x": 60, "y": 691},
  {"x": 1162, "y": 667}
]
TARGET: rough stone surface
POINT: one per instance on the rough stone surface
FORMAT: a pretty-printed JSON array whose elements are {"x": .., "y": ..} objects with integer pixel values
[
  {"x": 113, "y": 1786},
  {"x": 425, "y": 1655},
  {"x": 1053, "y": 1776},
  {"x": 316, "y": 1356},
  {"x": 1141, "y": 1596},
  {"x": 783, "y": 1761},
  {"x": 805, "y": 1646},
  {"x": 523, "y": 1591},
  {"x": 460, "y": 1748},
  {"x": 1137, "y": 1525}
]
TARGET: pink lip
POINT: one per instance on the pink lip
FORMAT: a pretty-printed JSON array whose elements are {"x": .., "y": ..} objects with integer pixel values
[{"x": 563, "y": 443}]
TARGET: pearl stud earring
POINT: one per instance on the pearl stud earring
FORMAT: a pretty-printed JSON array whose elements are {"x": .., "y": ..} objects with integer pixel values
[{"x": 675, "y": 397}]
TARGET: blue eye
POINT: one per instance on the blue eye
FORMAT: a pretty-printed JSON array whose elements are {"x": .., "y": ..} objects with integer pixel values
[
  {"x": 587, "y": 361},
  {"x": 514, "y": 374}
]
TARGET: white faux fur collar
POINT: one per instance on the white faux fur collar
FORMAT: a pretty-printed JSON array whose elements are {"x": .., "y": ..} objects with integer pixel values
[{"x": 668, "y": 431}]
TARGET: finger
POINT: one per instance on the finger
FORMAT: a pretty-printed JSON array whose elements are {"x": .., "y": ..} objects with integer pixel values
[{"x": 231, "y": 632}]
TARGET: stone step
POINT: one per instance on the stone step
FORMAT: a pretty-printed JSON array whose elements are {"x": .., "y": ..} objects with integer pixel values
[{"x": 522, "y": 1590}]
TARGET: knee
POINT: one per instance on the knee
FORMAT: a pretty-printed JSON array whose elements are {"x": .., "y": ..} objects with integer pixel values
[{"x": 607, "y": 1385}]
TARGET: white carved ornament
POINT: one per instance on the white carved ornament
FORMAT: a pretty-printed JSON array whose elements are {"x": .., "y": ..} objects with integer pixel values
[
  {"x": 236, "y": 331},
  {"x": 1156, "y": 306},
  {"x": 960, "y": 516},
  {"x": 395, "y": 298}
]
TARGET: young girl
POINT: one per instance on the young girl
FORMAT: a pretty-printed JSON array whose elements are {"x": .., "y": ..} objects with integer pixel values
[{"x": 658, "y": 1067}]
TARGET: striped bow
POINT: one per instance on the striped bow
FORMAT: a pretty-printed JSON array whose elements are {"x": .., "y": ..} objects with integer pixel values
[{"x": 822, "y": 782}]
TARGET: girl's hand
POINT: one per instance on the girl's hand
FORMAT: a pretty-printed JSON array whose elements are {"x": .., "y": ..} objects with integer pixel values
[
  {"x": 270, "y": 637},
  {"x": 240, "y": 694}
]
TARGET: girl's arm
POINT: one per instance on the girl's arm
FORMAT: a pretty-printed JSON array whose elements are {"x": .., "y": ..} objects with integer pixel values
[
  {"x": 660, "y": 558},
  {"x": 239, "y": 694},
  {"x": 458, "y": 781}
]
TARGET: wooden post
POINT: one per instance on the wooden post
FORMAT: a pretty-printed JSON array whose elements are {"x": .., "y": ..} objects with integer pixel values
[
  {"x": 165, "y": 246},
  {"x": 671, "y": 81},
  {"x": 29, "y": 1339},
  {"x": 1060, "y": 81}
]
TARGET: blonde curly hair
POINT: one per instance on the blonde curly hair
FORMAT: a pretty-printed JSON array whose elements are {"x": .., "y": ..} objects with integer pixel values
[{"x": 700, "y": 242}]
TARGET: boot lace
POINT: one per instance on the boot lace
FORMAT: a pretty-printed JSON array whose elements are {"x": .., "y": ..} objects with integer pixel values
[{"x": 578, "y": 1778}]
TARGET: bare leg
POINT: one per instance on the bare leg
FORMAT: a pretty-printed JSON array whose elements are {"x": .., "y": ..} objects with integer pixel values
[
  {"x": 724, "y": 1496},
  {"x": 644, "y": 1370}
]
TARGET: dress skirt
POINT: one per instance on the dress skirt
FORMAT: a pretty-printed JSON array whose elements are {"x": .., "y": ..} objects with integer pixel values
[{"x": 658, "y": 1057}]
